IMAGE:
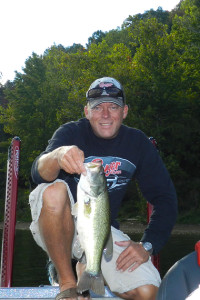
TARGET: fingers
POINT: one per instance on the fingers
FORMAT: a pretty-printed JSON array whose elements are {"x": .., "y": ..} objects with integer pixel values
[
  {"x": 132, "y": 256},
  {"x": 134, "y": 266},
  {"x": 126, "y": 259},
  {"x": 123, "y": 243},
  {"x": 71, "y": 160}
]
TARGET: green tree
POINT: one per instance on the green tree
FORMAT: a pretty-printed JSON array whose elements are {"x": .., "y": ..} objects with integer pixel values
[
  {"x": 96, "y": 38},
  {"x": 27, "y": 112},
  {"x": 186, "y": 35},
  {"x": 117, "y": 36}
]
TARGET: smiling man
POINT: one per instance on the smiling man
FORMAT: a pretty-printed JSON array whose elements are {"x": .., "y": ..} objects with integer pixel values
[
  {"x": 126, "y": 153},
  {"x": 106, "y": 119},
  {"x": 106, "y": 107}
]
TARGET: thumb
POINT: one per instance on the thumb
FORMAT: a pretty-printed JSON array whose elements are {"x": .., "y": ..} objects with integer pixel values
[{"x": 122, "y": 243}]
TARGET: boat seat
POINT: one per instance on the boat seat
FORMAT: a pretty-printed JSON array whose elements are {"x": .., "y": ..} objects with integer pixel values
[{"x": 182, "y": 279}]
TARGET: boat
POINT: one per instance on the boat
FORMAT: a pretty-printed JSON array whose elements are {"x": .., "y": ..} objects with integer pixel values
[{"x": 8, "y": 237}]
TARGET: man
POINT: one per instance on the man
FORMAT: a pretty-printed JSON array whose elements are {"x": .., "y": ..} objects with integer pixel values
[{"x": 125, "y": 153}]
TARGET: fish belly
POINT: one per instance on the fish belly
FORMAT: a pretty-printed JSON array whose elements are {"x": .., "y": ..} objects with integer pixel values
[{"x": 93, "y": 226}]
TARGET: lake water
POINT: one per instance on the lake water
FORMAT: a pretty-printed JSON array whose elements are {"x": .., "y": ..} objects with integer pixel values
[{"x": 30, "y": 261}]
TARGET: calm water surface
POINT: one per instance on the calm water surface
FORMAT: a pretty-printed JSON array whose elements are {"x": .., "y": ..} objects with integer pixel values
[{"x": 30, "y": 261}]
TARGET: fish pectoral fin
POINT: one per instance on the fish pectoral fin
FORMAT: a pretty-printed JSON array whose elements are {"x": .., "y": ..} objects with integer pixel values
[
  {"x": 75, "y": 209},
  {"x": 91, "y": 282},
  {"x": 108, "y": 250},
  {"x": 87, "y": 208}
]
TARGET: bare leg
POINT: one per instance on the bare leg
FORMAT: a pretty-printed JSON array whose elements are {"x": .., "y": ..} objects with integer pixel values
[
  {"x": 145, "y": 292},
  {"x": 57, "y": 229}
]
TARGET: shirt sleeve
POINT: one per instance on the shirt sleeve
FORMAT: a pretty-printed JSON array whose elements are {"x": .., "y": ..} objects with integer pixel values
[
  {"x": 62, "y": 136},
  {"x": 157, "y": 188}
]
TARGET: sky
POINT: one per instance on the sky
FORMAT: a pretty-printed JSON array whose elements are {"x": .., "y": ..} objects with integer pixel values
[{"x": 28, "y": 26}]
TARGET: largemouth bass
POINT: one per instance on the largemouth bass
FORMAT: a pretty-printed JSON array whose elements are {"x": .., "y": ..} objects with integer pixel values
[{"x": 93, "y": 226}]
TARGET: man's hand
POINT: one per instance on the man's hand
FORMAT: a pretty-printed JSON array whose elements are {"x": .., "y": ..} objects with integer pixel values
[
  {"x": 132, "y": 257},
  {"x": 70, "y": 159}
]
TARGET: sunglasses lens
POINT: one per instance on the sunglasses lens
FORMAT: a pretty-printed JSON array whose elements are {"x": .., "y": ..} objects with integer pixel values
[
  {"x": 98, "y": 92},
  {"x": 95, "y": 93},
  {"x": 114, "y": 92}
]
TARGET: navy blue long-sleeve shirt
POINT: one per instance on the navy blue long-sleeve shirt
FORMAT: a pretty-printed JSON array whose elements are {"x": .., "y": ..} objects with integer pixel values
[{"x": 130, "y": 155}]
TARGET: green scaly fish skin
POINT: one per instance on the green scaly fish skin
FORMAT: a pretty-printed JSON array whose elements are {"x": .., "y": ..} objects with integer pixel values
[{"x": 93, "y": 226}]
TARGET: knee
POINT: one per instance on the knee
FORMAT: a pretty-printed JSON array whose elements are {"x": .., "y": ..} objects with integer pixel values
[
  {"x": 145, "y": 292},
  {"x": 55, "y": 197},
  {"x": 148, "y": 292}
]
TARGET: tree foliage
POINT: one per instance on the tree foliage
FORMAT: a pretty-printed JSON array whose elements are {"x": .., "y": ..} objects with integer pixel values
[{"x": 154, "y": 55}]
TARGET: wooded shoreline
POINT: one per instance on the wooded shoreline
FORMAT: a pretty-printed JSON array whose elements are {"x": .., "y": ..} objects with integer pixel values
[{"x": 130, "y": 227}]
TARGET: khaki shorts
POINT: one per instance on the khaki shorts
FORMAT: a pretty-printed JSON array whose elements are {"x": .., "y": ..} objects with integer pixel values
[{"x": 117, "y": 281}]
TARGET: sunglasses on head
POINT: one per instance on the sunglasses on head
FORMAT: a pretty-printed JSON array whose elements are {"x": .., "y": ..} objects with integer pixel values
[{"x": 105, "y": 92}]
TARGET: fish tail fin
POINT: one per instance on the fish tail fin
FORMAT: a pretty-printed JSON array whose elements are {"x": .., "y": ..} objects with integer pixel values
[
  {"x": 92, "y": 282},
  {"x": 98, "y": 284}
]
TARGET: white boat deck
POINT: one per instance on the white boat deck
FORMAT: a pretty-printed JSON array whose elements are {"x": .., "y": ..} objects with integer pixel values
[{"x": 45, "y": 292}]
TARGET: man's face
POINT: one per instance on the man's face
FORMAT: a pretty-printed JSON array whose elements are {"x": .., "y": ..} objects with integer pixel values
[{"x": 106, "y": 118}]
